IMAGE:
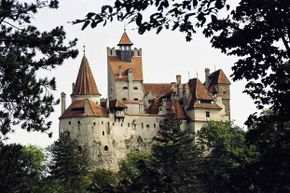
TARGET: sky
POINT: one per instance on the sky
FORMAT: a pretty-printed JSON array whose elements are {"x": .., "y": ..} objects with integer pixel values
[{"x": 164, "y": 56}]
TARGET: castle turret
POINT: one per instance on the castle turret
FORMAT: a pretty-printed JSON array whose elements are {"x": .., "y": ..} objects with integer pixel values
[
  {"x": 125, "y": 52},
  {"x": 85, "y": 85},
  {"x": 219, "y": 86}
]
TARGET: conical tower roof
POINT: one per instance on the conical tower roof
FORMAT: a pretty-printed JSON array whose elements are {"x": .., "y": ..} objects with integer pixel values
[
  {"x": 85, "y": 83},
  {"x": 125, "y": 40}
]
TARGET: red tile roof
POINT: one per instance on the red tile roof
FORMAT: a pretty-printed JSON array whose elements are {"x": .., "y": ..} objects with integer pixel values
[
  {"x": 130, "y": 102},
  {"x": 77, "y": 109},
  {"x": 135, "y": 65},
  {"x": 125, "y": 40},
  {"x": 117, "y": 104},
  {"x": 173, "y": 106},
  {"x": 198, "y": 90},
  {"x": 218, "y": 77},
  {"x": 158, "y": 89},
  {"x": 206, "y": 106},
  {"x": 85, "y": 83}
]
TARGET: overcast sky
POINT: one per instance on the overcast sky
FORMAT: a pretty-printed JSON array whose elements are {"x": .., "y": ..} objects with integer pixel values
[{"x": 164, "y": 56}]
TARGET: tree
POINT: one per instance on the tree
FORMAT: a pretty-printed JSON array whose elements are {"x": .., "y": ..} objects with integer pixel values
[
  {"x": 174, "y": 152},
  {"x": 257, "y": 31},
  {"x": 69, "y": 164},
  {"x": 102, "y": 181},
  {"x": 272, "y": 140},
  {"x": 129, "y": 167},
  {"x": 184, "y": 15},
  {"x": 172, "y": 168},
  {"x": 224, "y": 157},
  {"x": 24, "y": 51},
  {"x": 21, "y": 168}
]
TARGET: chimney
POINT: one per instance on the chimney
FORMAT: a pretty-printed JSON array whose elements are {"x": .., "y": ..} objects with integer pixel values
[
  {"x": 107, "y": 103},
  {"x": 206, "y": 78},
  {"x": 120, "y": 71},
  {"x": 73, "y": 87},
  {"x": 178, "y": 79},
  {"x": 186, "y": 90},
  {"x": 62, "y": 102}
]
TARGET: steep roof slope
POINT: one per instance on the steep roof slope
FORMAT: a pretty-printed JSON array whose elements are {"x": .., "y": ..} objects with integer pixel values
[{"x": 85, "y": 83}]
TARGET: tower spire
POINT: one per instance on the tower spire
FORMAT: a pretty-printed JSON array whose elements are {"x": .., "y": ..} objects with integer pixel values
[{"x": 85, "y": 83}]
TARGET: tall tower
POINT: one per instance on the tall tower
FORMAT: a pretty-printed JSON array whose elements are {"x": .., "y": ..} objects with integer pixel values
[
  {"x": 85, "y": 86},
  {"x": 218, "y": 84},
  {"x": 125, "y": 74}
]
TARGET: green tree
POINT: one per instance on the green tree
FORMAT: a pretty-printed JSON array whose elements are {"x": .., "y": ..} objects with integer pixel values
[
  {"x": 257, "y": 31},
  {"x": 21, "y": 168},
  {"x": 224, "y": 155},
  {"x": 69, "y": 164},
  {"x": 24, "y": 51},
  {"x": 102, "y": 181},
  {"x": 272, "y": 140},
  {"x": 172, "y": 168},
  {"x": 129, "y": 167}
]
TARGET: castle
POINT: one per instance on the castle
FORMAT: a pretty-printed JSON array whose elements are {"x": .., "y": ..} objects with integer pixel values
[{"x": 129, "y": 119}]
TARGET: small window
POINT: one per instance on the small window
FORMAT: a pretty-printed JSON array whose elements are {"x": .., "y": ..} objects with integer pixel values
[
  {"x": 121, "y": 124},
  {"x": 102, "y": 122},
  {"x": 94, "y": 123},
  {"x": 142, "y": 125},
  {"x": 106, "y": 148},
  {"x": 113, "y": 124},
  {"x": 79, "y": 122},
  {"x": 80, "y": 148},
  {"x": 154, "y": 125},
  {"x": 135, "y": 88},
  {"x": 147, "y": 126},
  {"x": 125, "y": 88},
  {"x": 69, "y": 122},
  {"x": 124, "y": 99},
  {"x": 150, "y": 101},
  {"x": 135, "y": 99},
  {"x": 128, "y": 124},
  {"x": 103, "y": 132},
  {"x": 207, "y": 114}
]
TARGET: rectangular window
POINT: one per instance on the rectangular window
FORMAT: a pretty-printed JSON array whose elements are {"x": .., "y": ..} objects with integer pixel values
[
  {"x": 207, "y": 113},
  {"x": 128, "y": 124}
]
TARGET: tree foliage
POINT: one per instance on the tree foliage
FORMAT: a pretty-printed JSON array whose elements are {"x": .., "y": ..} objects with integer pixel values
[
  {"x": 172, "y": 167},
  {"x": 24, "y": 51},
  {"x": 69, "y": 163},
  {"x": 272, "y": 140},
  {"x": 257, "y": 31},
  {"x": 184, "y": 15},
  {"x": 224, "y": 154},
  {"x": 21, "y": 168}
]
